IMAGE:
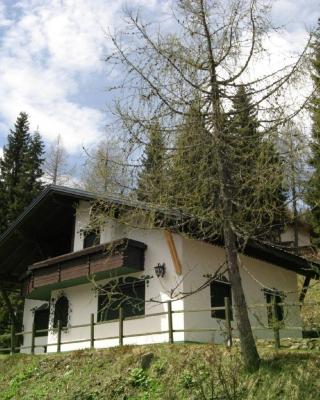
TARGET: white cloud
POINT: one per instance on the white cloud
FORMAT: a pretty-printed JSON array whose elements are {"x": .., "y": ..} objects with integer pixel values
[
  {"x": 295, "y": 14},
  {"x": 4, "y": 21},
  {"x": 44, "y": 57}
]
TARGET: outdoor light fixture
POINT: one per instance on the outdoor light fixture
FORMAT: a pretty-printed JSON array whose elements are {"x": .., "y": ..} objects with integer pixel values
[{"x": 160, "y": 270}]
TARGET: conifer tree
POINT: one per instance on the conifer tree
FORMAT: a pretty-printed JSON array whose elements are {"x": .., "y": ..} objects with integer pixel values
[
  {"x": 35, "y": 161},
  {"x": 255, "y": 151},
  {"x": 193, "y": 172},
  {"x": 20, "y": 170},
  {"x": 152, "y": 177},
  {"x": 313, "y": 192},
  {"x": 20, "y": 182}
]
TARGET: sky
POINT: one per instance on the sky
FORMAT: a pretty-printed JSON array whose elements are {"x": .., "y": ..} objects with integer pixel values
[{"x": 52, "y": 61}]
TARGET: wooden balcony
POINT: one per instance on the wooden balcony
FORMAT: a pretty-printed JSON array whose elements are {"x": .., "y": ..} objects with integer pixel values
[{"x": 97, "y": 262}]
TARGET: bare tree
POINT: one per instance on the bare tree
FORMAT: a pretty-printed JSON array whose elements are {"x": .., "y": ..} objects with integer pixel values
[
  {"x": 295, "y": 149},
  {"x": 56, "y": 166},
  {"x": 104, "y": 170},
  {"x": 208, "y": 50}
]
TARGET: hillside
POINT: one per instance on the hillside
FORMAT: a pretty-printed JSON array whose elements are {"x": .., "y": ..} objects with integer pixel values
[{"x": 160, "y": 372}]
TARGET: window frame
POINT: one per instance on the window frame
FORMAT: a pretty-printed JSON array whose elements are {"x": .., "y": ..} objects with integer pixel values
[
  {"x": 279, "y": 296},
  {"x": 43, "y": 309}
]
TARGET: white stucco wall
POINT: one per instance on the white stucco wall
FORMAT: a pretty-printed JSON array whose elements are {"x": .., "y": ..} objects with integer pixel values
[
  {"x": 81, "y": 222},
  {"x": 198, "y": 259},
  {"x": 257, "y": 275}
]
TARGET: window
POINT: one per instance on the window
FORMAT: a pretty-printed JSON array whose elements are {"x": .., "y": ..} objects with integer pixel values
[
  {"x": 61, "y": 312},
  {"x": 274, "y": 308},
  {"x": 41, "y": 319},
  {"x": 219, "y": 289},
  {"x": 91, "y": 238},
  {"x": 128, "y": 293}
]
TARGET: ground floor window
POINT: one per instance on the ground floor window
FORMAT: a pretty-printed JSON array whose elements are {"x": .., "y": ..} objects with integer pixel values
[
  {"x": 275, "y": 310},
  {"x": 219, "y": 289},
  {"x": 41, "y": 319},
  {"x": 128, "y": 293},
  {"x": 61, "y": 312}
]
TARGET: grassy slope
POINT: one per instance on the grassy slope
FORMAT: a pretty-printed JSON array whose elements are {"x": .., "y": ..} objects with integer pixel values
[{"x": 176, "y": 372}]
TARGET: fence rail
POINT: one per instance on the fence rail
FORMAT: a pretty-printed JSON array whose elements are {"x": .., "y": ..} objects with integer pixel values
[{"x": 228, "y": 331}]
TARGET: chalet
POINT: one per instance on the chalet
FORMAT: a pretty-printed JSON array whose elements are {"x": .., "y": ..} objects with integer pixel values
[{"x": 68, "y": 273}]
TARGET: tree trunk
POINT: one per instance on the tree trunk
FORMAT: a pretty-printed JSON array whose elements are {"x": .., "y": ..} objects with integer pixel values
[
  {"x": 295, "y": 220},
  {"x": 247, "y": 342}
]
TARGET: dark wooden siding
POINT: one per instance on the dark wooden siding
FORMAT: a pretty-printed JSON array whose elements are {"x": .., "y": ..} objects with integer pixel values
[
  {"x": 126, "y": 255},
  {"x": 47, "y": 276}
]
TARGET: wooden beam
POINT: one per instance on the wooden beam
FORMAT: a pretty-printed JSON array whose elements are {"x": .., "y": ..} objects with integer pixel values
[
  {"x": 173, "y": 252},
  {"x": 8, "y": 304},
  {"x": 304, "y": 289}
]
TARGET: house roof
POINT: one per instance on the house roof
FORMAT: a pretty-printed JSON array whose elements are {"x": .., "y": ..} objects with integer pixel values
[{"x": 54, "y": 210}]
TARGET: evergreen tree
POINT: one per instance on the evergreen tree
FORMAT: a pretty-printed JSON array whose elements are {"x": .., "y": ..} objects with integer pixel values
[
  {"x": 152, "y": 177},
  {"x": 20, "y": 170},
  {"x": 3, "y": 205},
  {"x": 5, "y": 320},
  {"x": 313, "y": 192},
  {"x": 193, "y": 172},
  {"x": 34, "y": 165},
  {"x": 20, "y": 182},
  {"x": 258, "y": 204}
]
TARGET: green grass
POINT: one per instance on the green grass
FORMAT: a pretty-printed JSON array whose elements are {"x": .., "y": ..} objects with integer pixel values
[{"x": 176, "y": 372}]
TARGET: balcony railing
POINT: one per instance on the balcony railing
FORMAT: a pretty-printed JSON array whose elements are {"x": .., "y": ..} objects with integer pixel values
[{"x": 102, "y": 261}]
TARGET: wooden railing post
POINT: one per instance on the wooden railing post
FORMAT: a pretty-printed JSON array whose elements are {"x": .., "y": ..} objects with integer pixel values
[
  {"x": 275, "y": 321},
  {"x": 121, "y": 318},
  {"x": 227, "y": 306},
  {"x": 13, "y": 339},
  {"x": 59, "y": 337},
  {"x": 170, "y": 322},
  {"x": 92, "y": 331},
  {"x": 33, "y": 337}
]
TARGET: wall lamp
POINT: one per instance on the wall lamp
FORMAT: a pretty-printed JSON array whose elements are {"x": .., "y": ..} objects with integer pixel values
[{"x": 160, "y": 270}]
